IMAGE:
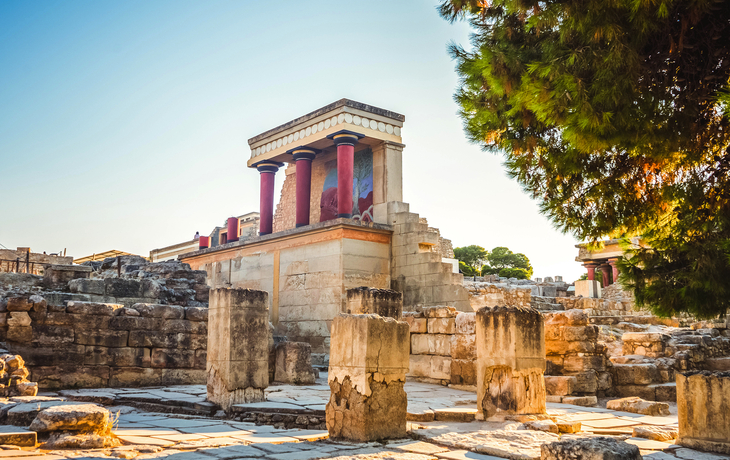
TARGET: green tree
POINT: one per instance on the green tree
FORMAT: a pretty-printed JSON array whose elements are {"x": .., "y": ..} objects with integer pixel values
[
  {"x": 472, "y": 257},
  {"x": 505, "y": 263},
  {"x": 615, "y": 116}
]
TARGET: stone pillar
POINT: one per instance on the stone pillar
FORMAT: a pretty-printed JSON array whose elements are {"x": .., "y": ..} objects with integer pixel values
[
  {"x": 383, "y": 302},
  {"x": 232, "y": 234},
  {"x": 266, "y": 213},
  {"x": 591, "y": 270},
  {"x": 605, "y": 270},
  {"x": 238, "y": 346},
  {"x": 303, "y": 157},
  {"x": 345, "y": 142},
  {"x": 203, "y": 242},
  {"x": 368, "y": 364},
  {"x": 703, "y": 399},
  {"x": 510, "y": 361},
  {"x": 614, "y": 268}
]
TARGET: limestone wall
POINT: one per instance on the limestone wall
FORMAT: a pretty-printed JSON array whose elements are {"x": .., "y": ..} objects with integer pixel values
[
  {"x": 443, "y": 346},
  {"x": 86, "y": 344},
  {"x": 497, "y": 294},
  {"x": 8, "y": 258}
]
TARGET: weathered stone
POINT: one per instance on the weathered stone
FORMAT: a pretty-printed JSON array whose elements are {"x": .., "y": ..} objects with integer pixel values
[
  {"x": 196, "y": 313},
  {"x": 430, "y": 366},
  {"x": 87, "y": 286},
  {"x": 463, "y": 372},
  {"x": 102, "y": 338},
  {"x": 23, "y": 414},
  {"x": 20, "y": 334},
  {"x": 431, "y": 344},
  {"x": 441, "y": 325},
  {"x": 559, "y": 385},
  {"x": 294, "y": 363},
  {"x": 463, "y": 346},
  {"x": 574, "y": 317},
  {"x": 594, "y": 448},
  {"x": 19, "y": 304},
  {"x": 417, "y": 325},
  {"x": 466, "y": 323},
  {"x": 568, "y": 426},
  {"x": 238, "y": 346},
  {"x": 18, "y": 319},
  {"x": 656, "y": 433},
  {"x": 636, "y": 374},
  {"x": 368, "y": 364},
  {"x": 121, "y": 287},
  {"x": 584, "y": 401},
  {"x": 638, "y": 406},
  {"x": 439, "y": 312},
  {"x": 160, "y": 311},
  {"x": 701, "y": 397},
  {"x": 510, "y": 361},
  {"x": 80, "y": 441},
  {"x": 92, "y": 308},
  {"x": 173, "y": 358},
  {"x": 586, "y": 382},
  {"x": 542, "y": 425},
  {"x": 383, "y": 302},
  {"x": 57, "y": 277},
  {"x": 73, "y": 417},
  {"x": 19, "y": 438}
]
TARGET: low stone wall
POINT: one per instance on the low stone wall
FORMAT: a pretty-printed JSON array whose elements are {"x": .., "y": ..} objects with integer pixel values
[
  {"x": 443, "y": 347},
  {"x": 86, "y": 344},
  {"x": 494, "y": 294},
  {"x": 576, "y": 361}
]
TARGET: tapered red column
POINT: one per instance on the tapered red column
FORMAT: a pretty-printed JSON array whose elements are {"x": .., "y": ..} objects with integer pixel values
[
  {"x": 605, "y": 269},
  {"x": 232, "y": 233},
  {"x": 614, "y": 268},
  {"x": 591, "y": 269},
  {"x": 345, "y": 141},
  {"x": 303, "y": 157},
  {"x": 268, "y": 171}
]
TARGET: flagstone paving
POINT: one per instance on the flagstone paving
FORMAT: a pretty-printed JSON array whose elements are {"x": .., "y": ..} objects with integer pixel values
[{"x": 149, "y": 435}]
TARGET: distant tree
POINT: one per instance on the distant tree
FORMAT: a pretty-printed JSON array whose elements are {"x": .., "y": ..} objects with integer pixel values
[
  {"x": 502, "y": 260},
  {"x": 472, "y": 257}
]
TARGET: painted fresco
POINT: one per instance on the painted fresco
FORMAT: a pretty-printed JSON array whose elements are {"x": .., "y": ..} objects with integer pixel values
[{"x": 362, "y": 189}]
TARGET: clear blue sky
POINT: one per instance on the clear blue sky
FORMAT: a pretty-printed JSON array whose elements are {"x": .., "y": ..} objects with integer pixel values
[{"x": 123, "y": 124}]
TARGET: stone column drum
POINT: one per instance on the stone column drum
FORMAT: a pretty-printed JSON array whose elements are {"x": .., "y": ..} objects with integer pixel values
[
  {"x": 510, "y": 361},
  {"x": 703, "y": 403},
  {"x": 367, "y": 371},
  {"x": 383, "y": 302},
  {"x": 238, "y": 346}
]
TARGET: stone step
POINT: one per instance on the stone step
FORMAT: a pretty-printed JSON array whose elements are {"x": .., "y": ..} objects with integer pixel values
[{"x": 718, "y": 364}]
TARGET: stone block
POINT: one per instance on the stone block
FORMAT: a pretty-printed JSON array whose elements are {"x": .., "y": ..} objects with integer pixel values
[
  {"x": 102, "y": 338},
  {"x": 510, "y": 361},
  {"x": 87, "y": 286},
  {"x": 588, "y": 288},
  {"x": 637, "y": 405},
  {"x": 466, "y": 323},
  {"x": 463, "y": 372},
  {"x": 92, "y": 308},
  {"x": 18, "y": 319},
  {"x": 559, "y": 385},
  {"x": 294, "y": 363},
  {"x": 154, "y": 339},
  {"x": 135, "y": 323},
  {"x": 584, "y": 401},
  {"x": 593, "y": 448},
  {"x": 383, "y": 302},
  {"x": 174, "y": 358},
  {"x": 121, "y": 287},
  {"x": 441, "y": 325},
  {"x": 702, "y": 401},
  {"x": 430, "y": 366},
  {"x": 656, "y": 433},
  {"x": 431, "y": 344},
  {"x": 238, "y": 346},
  {"x": 62, "y": 377},
  {"x": 367, "y": 401},
  {"x": 416, "y": 325},
  {"x": 463, "y": 346},
  {"x": 439, "y": 312},
  {"x": 20, "y": 334},
  {"x": 57, "y": 277},
  {"x": 45, "y": 335},
  {"x": 19, "y": 304},
  {"x": 135, "y": 377},
  {"x": 149, "y": 310},
  {"x": 574, "y": 317},
  {"x": 586, "y": 382},
  {"x": 196, "y": 313},
  {"x": 636, "y": 374},
  {"x": 581, "y": 363}
]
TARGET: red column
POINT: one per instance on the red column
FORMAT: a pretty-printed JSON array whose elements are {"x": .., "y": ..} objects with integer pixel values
[
  {"x": 345, "y": 141},
  {"x": 268, "y": 170},
  {"x": 605, "y": 269},
  {"x": 614, "y": 267},
  {"x": 591, "y": 269},
  {"x": 303, "y": 157},
  {"x": 232, "y": 229},
  {"x": 203, "y": 242}
]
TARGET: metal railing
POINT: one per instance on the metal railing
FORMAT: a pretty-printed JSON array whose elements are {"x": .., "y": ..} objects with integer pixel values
[{"x": 20, "y": 266}]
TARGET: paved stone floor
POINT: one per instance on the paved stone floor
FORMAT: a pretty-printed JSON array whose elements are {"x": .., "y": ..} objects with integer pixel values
[{"x": 148, "y": 435}]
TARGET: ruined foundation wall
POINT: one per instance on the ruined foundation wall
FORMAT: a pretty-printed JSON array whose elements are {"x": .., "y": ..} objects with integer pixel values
[{"x": 89, "y": 344}]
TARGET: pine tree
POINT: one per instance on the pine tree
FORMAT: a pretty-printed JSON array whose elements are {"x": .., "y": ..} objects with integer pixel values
[{"x": 614, "y": 115}]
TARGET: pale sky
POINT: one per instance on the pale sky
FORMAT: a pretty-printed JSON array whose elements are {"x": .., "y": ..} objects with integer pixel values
[{"x": 124, "y": 124}]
